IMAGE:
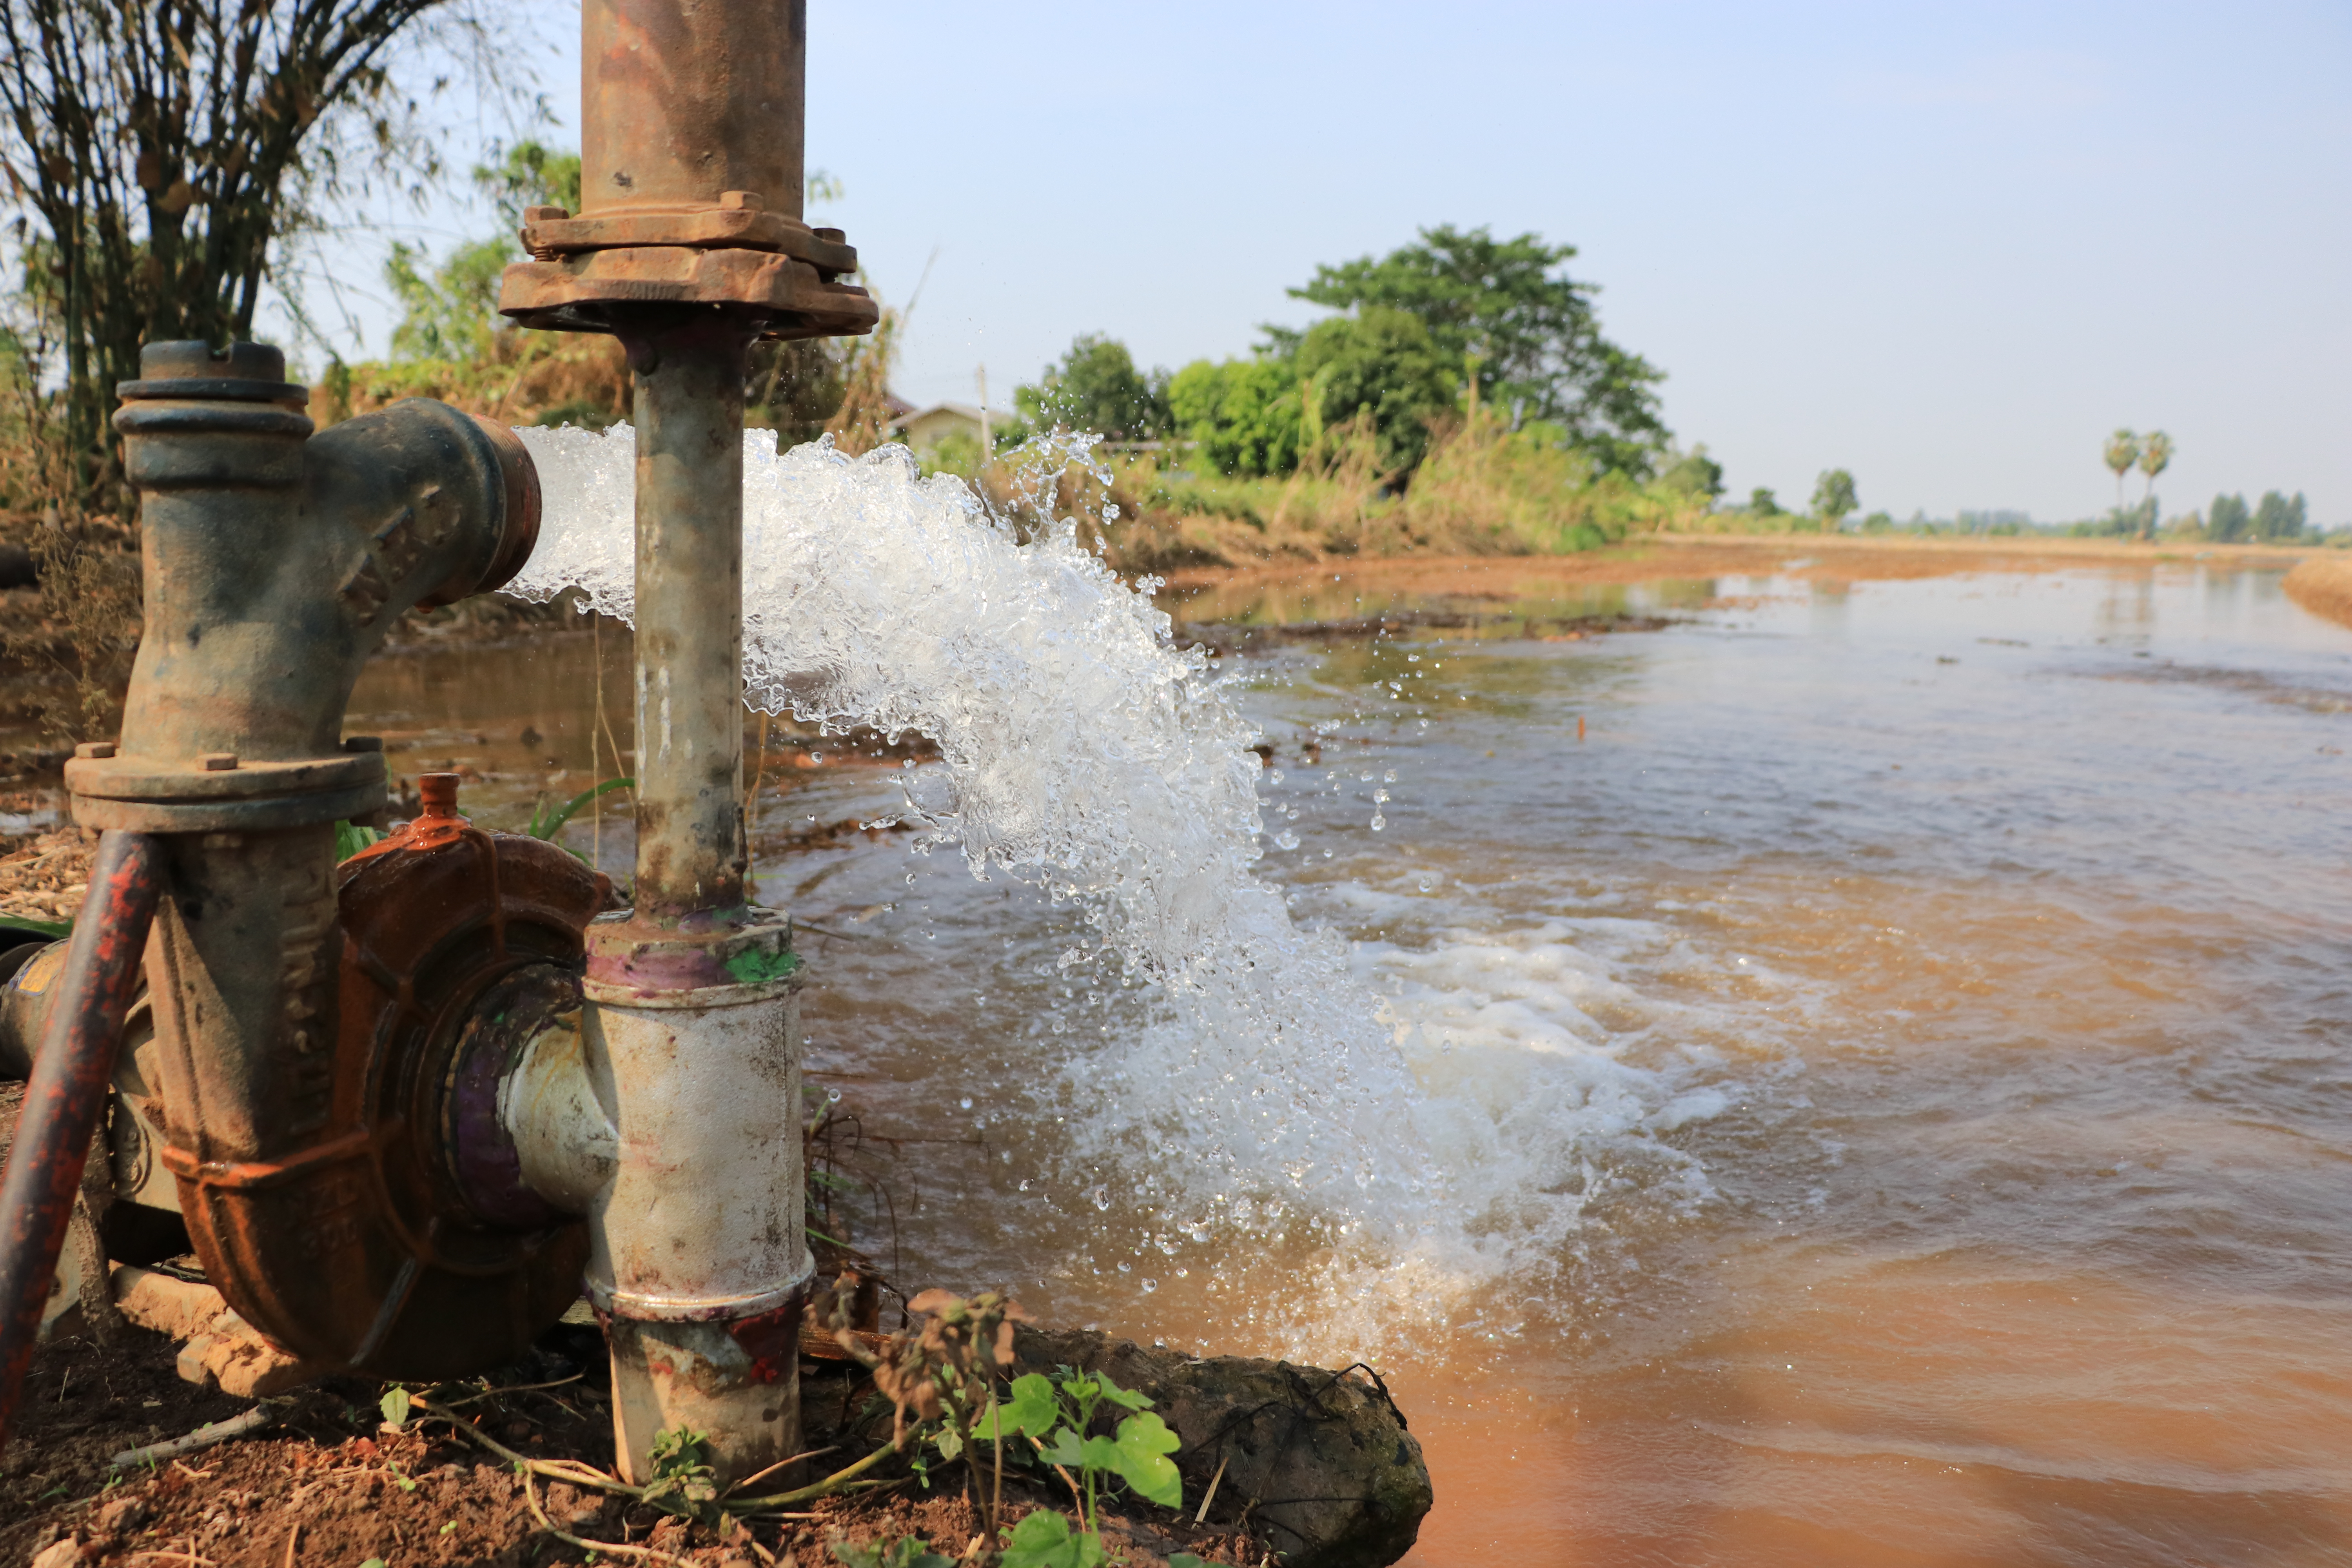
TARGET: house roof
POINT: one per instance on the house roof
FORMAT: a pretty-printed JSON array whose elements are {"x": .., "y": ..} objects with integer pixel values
[{"x": 961, "y": 410}]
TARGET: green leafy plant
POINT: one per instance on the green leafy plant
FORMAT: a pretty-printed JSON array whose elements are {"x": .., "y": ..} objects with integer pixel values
[
  {"x": 753, "y": 967},
  {"x": 1054, "y": 1414},
  {"x": 351, "y": 838},
  {"x": 547, "y": 819},
  {"x": 395, "y": 1405},
  {"x": 684, "y": 1481},
  {"x": 1045, "y": 1540},
  {"x": 944, "y": 1376},
  {"x": 912, "y": 1552}
]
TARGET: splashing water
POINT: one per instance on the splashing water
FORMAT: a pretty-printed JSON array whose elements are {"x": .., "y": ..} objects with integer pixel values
[{"x": 1084, "y": 754}]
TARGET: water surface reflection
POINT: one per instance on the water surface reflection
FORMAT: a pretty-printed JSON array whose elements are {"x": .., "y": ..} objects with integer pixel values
[{"x": 1924, "y": 1000}]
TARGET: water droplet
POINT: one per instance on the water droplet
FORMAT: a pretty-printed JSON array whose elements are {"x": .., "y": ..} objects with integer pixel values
[
  {"x": 832, "y": 1095},
  {"x": 1126, "y": 1268},
  {"x": 1427, "y": 883},
  {"x": 1183, "y": 1274},
  {"x": 1024, "y": 1184},
  {"x": 1286, "y": 839},
  {"x": 1102, "y": 1197},
  {"x": 1379, "y": 821},
  {"x": 906, "y": 762},
  {"x": 965, "y": 1102},
  {"x": 1388, "y": 777},
  {"x": 1200, "y": 1233},
  {"x": 1150, "y": 1286}
]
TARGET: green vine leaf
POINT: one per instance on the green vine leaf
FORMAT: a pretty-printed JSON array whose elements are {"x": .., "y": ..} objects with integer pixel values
[
  {"x": 1142, "y": 1451},
  {"x": 1045, "y": 1540}
]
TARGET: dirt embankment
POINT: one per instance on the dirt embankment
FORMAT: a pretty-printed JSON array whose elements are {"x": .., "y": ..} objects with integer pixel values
[
  {"x": 2323, "y": 584},
  {"x": 1858, "y": 558}
]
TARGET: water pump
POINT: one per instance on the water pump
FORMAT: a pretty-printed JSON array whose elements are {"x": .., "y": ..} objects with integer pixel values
[{"x": 410, "y": 1104}]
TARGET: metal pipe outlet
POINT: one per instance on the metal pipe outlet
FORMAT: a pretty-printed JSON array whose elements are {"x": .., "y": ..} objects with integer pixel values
[{"x": 687, "y": 246}]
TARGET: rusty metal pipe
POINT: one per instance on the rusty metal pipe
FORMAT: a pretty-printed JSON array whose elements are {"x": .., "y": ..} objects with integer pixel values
[
  {"x": 688, "y": 386},
  {"x": 687, "y": 100},
  {"x": 689, "y": 243},
  {"x": 67, "y": 1091}
]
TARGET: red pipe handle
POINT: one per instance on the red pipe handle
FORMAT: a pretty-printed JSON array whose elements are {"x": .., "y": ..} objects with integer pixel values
[{"x": 68, "y": 1091}]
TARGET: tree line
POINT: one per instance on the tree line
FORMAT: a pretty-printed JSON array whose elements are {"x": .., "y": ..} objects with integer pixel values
[{"x": 1453, "y": 322}]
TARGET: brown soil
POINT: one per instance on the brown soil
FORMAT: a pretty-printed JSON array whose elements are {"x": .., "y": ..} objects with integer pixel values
[{"x": 330, "y": 1485}]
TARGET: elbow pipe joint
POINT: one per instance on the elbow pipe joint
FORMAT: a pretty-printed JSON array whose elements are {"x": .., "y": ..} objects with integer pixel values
[{"x": 275, "y": 560}]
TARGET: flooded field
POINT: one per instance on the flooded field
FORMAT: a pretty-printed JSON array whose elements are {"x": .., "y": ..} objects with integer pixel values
[{"x": 1881, "y": 1043}]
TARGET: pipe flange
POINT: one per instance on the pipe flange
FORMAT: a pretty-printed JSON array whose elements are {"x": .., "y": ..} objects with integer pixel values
[
  {"x": 713, "y": 228},
  {"x": 580, "y": 293},
  {"x": 635, "y": 962},
  {"x": 648, "y": 1307},
  {"x": 221, "y": 794}
]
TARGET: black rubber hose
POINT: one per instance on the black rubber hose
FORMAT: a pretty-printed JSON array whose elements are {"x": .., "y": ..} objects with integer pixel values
[{"x": 67, "y": 1091}]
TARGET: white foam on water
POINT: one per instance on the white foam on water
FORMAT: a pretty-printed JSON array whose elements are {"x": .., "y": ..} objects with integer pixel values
[{"x": 1433, "y": 1138}]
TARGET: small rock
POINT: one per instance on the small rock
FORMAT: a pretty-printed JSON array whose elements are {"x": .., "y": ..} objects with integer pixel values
[
  {"x": 65, "y": 1553},
  {"x": 572, "y": 1509},
  {"x": 1336, "y": 1477},
  {"x": 122, "y": 1516}
]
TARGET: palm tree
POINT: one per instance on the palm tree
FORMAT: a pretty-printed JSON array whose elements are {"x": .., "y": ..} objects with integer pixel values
[
  {"x": 2155, "y": 456},
  {"x": 2123, "y": 451}
]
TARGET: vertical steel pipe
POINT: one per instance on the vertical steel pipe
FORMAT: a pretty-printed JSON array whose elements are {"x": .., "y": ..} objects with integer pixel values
[
  {"x": 689, "y": 388},
  {"x": 67, "y": 1091}
]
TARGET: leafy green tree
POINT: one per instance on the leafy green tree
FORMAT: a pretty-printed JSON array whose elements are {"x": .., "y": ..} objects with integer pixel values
[
  {"x": 2155, "y": 456},
  {"x": 2275, "y": 517},
  {"x": 1247, "y": 415},
  {"x": 1096, "y": 388},
  {"x": 533, "y": 176},
  {"x": 2228, "y": 519},
  {"x": 2123, "y": 451},
  {"x": 451, "y": 313},
  {"x": 1833, "y": 497},
  {"x": 159, "y": 155},
  {"x": 1381, "y": 363},
  {"x": 1695, "y": 474},
  {"x": 1507, "y": 305},
  {"x": 1762, "y": 502}
]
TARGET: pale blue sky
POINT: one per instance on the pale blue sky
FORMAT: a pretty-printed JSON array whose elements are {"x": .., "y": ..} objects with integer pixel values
[{"x": 1947, "y": 246}]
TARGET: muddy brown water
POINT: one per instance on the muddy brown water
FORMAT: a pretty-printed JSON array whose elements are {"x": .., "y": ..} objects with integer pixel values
[{"x": 1984, "y": 928}]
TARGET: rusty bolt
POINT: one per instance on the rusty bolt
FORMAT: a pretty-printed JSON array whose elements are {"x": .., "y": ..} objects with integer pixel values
[
  {"x": 544, "y": 214},
  {"x": 95, "y": 749},
  {"x": 217, "y": 762},
  {"x": 363, "y": 743},
  {"x": 739, "y": 201}
]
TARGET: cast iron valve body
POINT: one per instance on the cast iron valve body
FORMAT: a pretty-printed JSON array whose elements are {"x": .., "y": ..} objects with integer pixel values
[{"x": 303, "y": 1029}]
